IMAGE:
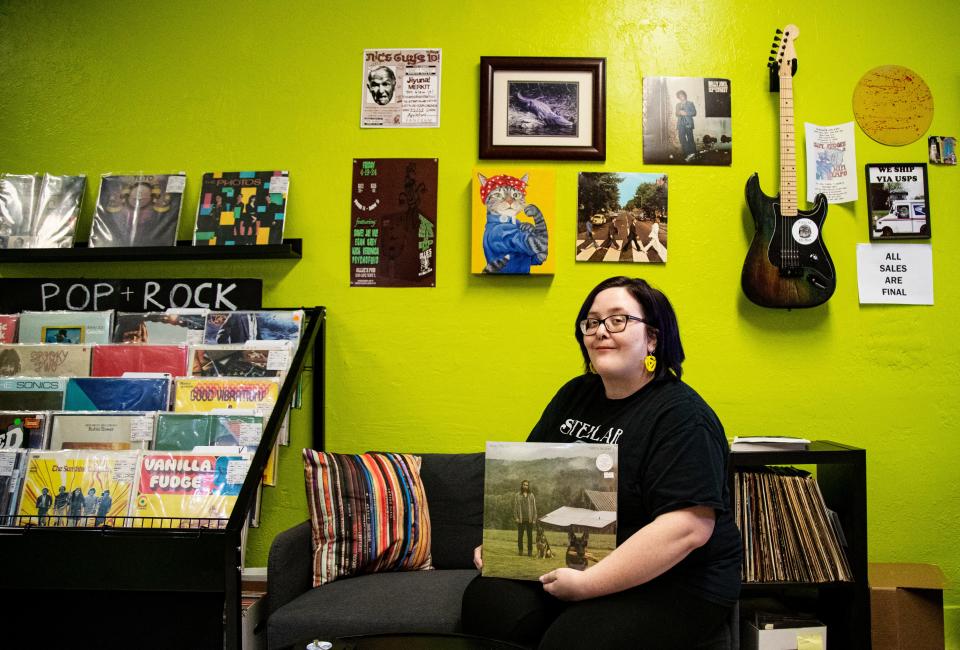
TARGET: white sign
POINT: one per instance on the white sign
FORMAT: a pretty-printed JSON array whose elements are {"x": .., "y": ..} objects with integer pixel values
[
  {"x": 831, "y": 162},
  {"x": 899, "y": 274}
]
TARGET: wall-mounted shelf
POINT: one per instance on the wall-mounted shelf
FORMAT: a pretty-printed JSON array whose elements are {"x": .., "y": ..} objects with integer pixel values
[{"x": 290, "y": 249}]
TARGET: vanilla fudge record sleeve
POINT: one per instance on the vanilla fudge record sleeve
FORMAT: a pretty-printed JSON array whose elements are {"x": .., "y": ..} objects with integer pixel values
[{"x": 188, "y": 485}]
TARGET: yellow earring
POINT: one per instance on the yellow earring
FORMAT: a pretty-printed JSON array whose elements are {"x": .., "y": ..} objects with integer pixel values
[{"x": 650, "y": 362}]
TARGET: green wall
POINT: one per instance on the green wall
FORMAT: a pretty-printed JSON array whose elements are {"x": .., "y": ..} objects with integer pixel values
[{"x": 199, "y": 86}]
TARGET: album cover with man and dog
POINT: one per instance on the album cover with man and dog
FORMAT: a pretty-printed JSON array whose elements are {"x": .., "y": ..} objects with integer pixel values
[{"x": 547, "y": 506}]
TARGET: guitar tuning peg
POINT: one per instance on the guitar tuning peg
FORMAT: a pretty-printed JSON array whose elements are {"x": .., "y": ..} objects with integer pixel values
[
  {"x": 773, "y": 51},
  {"x": 779, "y": 31},
  {"x": 776, "y": 38},
  {"x": 770, "y": 58}
]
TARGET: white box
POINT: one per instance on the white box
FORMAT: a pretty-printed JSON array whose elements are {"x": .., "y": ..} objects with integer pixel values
[{"x": 784, "y": 638}]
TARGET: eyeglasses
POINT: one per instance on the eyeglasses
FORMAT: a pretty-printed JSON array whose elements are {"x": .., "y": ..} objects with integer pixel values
[{"x": 613, "y": 324}]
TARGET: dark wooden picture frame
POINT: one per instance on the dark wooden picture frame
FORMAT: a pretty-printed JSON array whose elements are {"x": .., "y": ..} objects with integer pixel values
[
  {"x": 568, "y": 112},
  {"x": 894, "y": 214}
]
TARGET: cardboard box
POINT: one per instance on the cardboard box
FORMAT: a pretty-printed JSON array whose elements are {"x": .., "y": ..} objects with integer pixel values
[
  {"x": 782, "y": 638},
  {"x": 906, "y": 606}
]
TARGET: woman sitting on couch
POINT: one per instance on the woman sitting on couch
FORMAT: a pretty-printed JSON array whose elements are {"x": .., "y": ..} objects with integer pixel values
[{"x": 675, "y": 574}]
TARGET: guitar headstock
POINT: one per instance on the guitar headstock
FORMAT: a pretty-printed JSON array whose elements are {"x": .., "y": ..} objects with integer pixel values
[{"x": 783, "y": 58}]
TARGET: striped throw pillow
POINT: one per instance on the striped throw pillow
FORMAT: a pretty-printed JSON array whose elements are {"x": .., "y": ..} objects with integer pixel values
[{"x": 368, "y": 512}]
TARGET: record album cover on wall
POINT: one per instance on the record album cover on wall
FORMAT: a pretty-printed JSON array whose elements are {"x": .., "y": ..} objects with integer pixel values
[
  {"x": 686, "y": 121},
  {"x": 242, "y": 208},
  {"x": 543, "y": 108},
  {"x": 621, "y": 217},
  {"x": 137, "y": 210}
]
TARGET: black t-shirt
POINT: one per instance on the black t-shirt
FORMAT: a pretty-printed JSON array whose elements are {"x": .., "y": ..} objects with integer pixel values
[{"x": 672, "y": 454}]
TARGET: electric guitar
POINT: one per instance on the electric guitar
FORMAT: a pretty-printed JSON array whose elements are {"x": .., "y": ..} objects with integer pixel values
[{"x": 787, "y": 265}]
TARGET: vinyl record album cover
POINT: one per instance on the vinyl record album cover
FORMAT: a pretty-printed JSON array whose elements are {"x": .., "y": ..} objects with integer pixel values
[
  {"x": 65, "y": 326},
  {"x": 116, "y": 394},
  {"x": 547, "y": 506},
  {"x": 13, "y": 464},
  {"x": 78, "y": 487},
  {"x": 58, "y": 210},
  {"x": 43, "y": 360},
  {"x": 184, "y": 431},
  {"x": 242, "y": 208},
  {"x": 102, "y": 430},
  {"x": 32, "y": 393},
  {"x": 18, "y": 199},
  {"x": 242, "y": 326},
  {"x": 188, "y": 487},
  {"x": 687, "y": 121},
  {"x": 8, "y": 327},
  {"x": 208, "y": 394},
  {"x": 250, "y": 360},
  {"x": 139, "y": 210},
  {"x": 158, "y": 328},
  {"x": 23, "y": 429},
  {"x": 115, "y": 360}
]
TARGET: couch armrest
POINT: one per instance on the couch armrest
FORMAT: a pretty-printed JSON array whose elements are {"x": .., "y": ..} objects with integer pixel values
[{"x": 289, "y": 566}]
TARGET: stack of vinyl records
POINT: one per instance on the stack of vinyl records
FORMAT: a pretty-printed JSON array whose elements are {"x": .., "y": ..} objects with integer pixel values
[{"x": 788, "y": 533}]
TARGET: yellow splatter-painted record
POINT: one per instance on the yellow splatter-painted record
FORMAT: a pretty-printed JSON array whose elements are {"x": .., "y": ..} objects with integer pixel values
[{"x": 893, "y": 105}]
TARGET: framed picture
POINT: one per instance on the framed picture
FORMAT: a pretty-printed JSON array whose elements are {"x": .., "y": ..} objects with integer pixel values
[
  {"x": 543, "y": 108},
  {"x": 897, "y": 201}
]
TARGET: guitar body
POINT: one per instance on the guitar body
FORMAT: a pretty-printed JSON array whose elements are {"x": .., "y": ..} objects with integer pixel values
[{"x": 787, "y": 265}]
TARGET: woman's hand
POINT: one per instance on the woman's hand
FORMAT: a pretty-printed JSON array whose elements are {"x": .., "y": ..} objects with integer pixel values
[
  {"x": 566, "y": 584},
  {"x": 478, "y": 557}
]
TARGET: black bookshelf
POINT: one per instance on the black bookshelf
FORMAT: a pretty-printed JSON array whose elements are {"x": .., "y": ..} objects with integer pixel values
[
  {"x": 842, "y": 476},
  {"x": 290, "y": 249}
]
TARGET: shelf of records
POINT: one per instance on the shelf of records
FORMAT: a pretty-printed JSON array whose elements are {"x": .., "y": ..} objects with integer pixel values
[
  {"x": 239, "y": 214},
  {"x": 789, "y": 535},
  {"x": 137, "y": 419}
]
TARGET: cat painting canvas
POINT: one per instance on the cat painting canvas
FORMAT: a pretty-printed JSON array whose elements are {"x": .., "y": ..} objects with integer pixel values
[{"x": 513, "y": 215}]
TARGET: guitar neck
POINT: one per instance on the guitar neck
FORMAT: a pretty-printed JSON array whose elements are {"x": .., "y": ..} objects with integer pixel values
[{"x": 788, "y": 149}]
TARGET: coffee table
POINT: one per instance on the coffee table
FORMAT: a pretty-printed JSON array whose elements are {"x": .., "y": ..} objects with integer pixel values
[{"x": 417, "y": 641}]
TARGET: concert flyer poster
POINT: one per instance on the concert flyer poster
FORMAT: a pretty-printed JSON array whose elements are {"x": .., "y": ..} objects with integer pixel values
[
  {"x": 23, "y": 429},
  {"x": 401, "y": 88},
  {"x": 549, "y": 505},
  {"x": 242, "y": 208},
  {"x": 32, "y": 393},
  {"x": 44, "y": 360},
  {"x": 8, "y": 327},
  {"x": 226, "y": 327},
  {"x": 117, "y": 394},
  {"x": 831, "y": 162},
  {"x": 115, "y": 360},
  {"x": 188, "y": 486},
  {"x": 687, "y": 121},
  {"x": 138, "y": 210},
  {"x": 102, "y": 430},
  {"x": 78, "y": 487},
  {"x": 393, "y": 230},
  {"x": 258, "y": 394},
  {"x": 163, "y": 328},
  {"x": 65, "y": 326}
]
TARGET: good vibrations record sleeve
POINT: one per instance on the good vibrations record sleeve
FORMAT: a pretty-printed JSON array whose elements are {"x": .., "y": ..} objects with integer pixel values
[{"x": 205, "y": 395}]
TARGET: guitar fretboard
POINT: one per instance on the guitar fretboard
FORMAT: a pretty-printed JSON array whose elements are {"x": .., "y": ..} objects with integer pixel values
[{"x": 788, "y": 149}]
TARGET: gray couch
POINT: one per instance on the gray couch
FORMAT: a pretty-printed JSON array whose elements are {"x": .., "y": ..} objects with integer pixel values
[{"x": 408, "y": 601}]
